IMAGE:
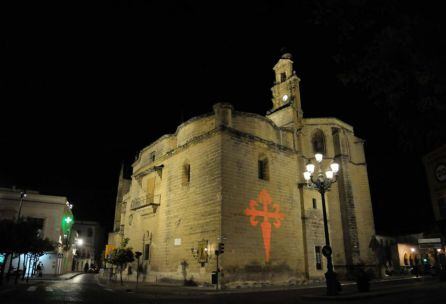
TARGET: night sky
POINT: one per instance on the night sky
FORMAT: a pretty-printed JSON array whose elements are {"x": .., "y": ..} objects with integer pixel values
[{"x": 83, "y": 89}]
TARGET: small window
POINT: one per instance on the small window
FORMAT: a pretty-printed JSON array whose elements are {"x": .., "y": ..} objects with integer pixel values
[
  {"x": 314, "y": 203},
  {"x": 146, "y": 252},
  {"x": 152, "y": 156},
  {"x": 317, "y": 250},
  {"x": 90, "y": 232},
  {"x": 263, "y": 169},
  {"x": 130, "y": 220},
  {"x": 282, "y": 77},
  {"x": 186, "y": 174}
]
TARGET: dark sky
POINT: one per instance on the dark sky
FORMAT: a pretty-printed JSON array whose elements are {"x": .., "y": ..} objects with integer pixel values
[{"x": 83, "y": 89}]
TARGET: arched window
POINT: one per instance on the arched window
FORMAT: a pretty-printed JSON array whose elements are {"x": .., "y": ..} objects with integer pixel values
[
  {"x": 186, "y": 174},
  {"x": 318, "y": 142},
  {"x": 263, "y": 167},
  {"x": 282, "y": 77}
]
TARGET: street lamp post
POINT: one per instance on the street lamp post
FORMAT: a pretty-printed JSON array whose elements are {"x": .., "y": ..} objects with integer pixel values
[
  {"x": 322, "y": 181},
  {"x": 22, "y": 196}
]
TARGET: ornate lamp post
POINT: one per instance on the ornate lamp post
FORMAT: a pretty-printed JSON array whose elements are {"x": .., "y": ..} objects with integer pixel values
[{"x": 322, "y": 181}]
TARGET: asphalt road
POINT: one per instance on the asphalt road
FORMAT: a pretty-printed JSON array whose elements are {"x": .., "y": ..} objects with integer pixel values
[{"x": 85, "y": 288}]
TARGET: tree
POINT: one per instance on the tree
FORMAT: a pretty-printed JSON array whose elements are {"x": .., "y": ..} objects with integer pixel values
[
  {"x": 121, "y": 256},
  {"x": 7, "y": 243},
  {"x": 21, "y": 238}
]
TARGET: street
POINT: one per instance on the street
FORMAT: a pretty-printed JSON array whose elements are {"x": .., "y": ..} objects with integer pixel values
[{"x": 85, "y": 288}]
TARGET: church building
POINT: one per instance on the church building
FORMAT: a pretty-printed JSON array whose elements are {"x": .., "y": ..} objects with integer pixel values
[{"x": 236, "y": 178}]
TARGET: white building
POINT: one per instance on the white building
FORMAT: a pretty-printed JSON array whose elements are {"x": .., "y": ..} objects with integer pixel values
[{"x": 53, "y": 215}]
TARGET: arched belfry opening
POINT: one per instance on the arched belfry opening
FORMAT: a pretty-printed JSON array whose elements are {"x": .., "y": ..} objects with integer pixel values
[{"x": 318, "y": 142}]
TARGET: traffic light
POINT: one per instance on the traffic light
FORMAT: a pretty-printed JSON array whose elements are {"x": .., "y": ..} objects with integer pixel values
[{"x": 221, "y": 247}]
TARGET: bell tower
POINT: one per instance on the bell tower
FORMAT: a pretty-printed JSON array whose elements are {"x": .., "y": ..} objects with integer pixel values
[{"x": 286, "y": 86}]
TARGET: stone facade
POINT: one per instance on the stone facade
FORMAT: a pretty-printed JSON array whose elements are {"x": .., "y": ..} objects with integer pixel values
[{"x": 236, "y": 178}]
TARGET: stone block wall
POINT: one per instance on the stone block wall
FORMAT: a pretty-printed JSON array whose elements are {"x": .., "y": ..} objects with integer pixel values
[{"x": 245, "y": 258}]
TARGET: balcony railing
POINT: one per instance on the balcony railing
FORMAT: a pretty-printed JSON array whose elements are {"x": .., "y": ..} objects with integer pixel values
[{"x": 146, "y": 200}]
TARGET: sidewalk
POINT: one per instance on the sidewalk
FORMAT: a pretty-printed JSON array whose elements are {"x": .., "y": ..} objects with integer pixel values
[
  {"x": 53, "y": 277},
  {"x": 309, "y": 292},
  {"x": 6, "y": 287}
]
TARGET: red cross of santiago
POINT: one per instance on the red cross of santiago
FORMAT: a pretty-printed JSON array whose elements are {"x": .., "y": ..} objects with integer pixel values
[{"x": 265, "y": 199}]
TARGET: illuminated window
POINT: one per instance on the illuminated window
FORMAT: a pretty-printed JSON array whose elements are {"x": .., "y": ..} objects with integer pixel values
[
  {"x": 318, "y": 142},
  {"x": 146, "y": 252},
  {"x": 263, "y": 168},
  {"x": 186, "y": 174},
  {"x": 314, "y": 203},
  {"x": 282, "y": 77},
  {"x": 317, "y": 250}
]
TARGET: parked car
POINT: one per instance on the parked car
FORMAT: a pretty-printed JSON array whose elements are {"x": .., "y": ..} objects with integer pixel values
[{"x": 93, "y": 269}]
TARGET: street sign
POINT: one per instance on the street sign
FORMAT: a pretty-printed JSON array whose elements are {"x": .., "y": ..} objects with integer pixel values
[
  {"x": 2, "y": 259},
  {"x": 429, "y": 241}
]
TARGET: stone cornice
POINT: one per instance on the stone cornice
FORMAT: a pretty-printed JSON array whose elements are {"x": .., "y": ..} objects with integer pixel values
[
  {"x": 151, "y": 167},
  {"x": 331, "y": 121}
]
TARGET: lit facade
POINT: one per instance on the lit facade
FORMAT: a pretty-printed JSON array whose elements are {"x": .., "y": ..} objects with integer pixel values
[
  {"x": 236, "y": 178},
  {"x": 55, "y": 217},
  {"x": 89, "y": 244}
]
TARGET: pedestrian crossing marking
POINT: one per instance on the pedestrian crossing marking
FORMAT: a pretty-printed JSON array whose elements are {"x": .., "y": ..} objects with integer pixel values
[{"x": 32, "y": 288}]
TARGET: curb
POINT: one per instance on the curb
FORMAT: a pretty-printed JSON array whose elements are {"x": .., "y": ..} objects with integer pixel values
[
  {"x": 56, "y": 278},
  {"x": 73, "y": 276},
  {"x": 184, "y": 293}
]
